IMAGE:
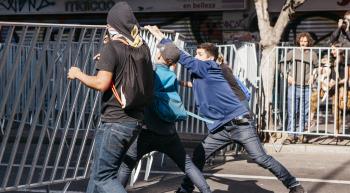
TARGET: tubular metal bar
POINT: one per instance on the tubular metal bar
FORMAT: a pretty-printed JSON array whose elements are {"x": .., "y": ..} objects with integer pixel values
[
  {"x": 85, "y": 138},
  {"x": 336, "y": 114},
  {"x": 318, "y": 96},
  {"x": 301, "y": 133},
  {"x": 29, "y": 165},
  {"x": 34, "y": 185},
  {"x": 302, "y": 99},
  {"x": 285, "y": 83},
  {"x": 345, "y": 93},
  {"x": 52, "y": 25},
  {"x": 276, "y": 91},
  {"x": 328, "y": 79},
  {"x": 231, "y": 57},
  {"x": 8, "y": 41},
  {"x": 310, "y": 92},
  {"x": 293, "y": 124},
  {"x": 66, "y": 186}
]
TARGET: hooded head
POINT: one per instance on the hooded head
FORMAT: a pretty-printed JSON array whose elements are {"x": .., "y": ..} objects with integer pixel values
[{"x": 122, "y": 19}]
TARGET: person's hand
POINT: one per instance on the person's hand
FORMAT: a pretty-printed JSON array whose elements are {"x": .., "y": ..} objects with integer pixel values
[
  {"x": 189, "y": 84},
  {"x": 73, "y": 73},
  {"x": 340, "y": 23},
  {"x": 105, "y": 39},
  {"x": 291, "y": 80},
  {"x": 186, "y": 84},
  {"x": 155, "y": 31}
]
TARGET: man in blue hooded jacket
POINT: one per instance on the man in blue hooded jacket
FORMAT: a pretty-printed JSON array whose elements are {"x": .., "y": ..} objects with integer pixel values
[{"x": 216, "y": 101}]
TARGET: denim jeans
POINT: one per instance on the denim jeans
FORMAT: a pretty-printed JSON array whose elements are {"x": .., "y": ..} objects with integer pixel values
[
  {"x": 246, "y": 136},
  {"x": 112, "y": 140},
  {"x": 301, "y": 99},
  {"x": 171, "y": 145}
]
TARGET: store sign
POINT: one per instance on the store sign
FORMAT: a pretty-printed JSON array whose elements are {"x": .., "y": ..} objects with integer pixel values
[
  {"x": 10, "y": 7},
  {"x": 314, "y": 5}
]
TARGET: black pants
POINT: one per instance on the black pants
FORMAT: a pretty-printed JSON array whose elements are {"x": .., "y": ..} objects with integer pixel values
[{"x": 171, "y": 145}]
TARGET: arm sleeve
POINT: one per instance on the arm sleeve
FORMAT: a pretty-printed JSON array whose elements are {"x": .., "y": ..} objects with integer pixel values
[
  {"x": 334, "y": 36},
  {"x": 348, "y": 35},
  {"x": 107, "y": 59},
  {"x": 197, "y": 67}
]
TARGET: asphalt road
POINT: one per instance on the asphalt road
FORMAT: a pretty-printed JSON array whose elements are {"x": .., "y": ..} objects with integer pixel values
[{"x": 319, "y": 172}]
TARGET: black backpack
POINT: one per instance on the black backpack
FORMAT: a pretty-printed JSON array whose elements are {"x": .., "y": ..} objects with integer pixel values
[{"x": 136, "y": 86}]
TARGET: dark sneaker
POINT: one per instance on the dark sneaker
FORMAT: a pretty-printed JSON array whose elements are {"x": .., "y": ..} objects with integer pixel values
[
  {"x": 297, "y": 189},
  {"x": 180, "y": 190}
]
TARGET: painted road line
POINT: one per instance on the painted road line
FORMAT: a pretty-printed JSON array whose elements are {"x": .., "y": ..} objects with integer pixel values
[{"x": 257, "y": 177}]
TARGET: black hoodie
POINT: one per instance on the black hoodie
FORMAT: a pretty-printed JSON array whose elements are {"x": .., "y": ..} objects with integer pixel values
[{"x": 122, "y": 18}]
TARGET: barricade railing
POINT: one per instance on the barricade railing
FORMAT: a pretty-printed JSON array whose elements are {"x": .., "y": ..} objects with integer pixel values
[
  {"x": 47, "y": 122},
  {"x": 36, "y": 123},
  {"x": 315, "y": 99}
]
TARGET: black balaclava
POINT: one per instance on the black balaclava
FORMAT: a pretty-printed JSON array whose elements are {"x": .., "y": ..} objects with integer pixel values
[{"x": 122, "y": 19}]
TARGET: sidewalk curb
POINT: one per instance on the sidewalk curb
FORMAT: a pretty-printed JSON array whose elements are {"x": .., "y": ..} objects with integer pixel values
[{"x": 306, "y": 148}]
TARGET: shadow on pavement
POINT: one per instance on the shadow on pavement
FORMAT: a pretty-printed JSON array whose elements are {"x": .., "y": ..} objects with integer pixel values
[
  {"x": 234, "y": 186},
  {"x": 165, "y": 183}
]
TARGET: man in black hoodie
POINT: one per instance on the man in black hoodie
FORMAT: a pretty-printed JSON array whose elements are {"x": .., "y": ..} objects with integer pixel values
[{"x": 119, "y": 125}]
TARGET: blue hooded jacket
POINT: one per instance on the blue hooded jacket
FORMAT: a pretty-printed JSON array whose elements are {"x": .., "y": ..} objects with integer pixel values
[{"x": 214, "y": 98}]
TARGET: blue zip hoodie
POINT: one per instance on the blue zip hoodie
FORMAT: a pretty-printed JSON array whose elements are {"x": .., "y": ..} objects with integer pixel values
[{"x": 214, "y": 98}]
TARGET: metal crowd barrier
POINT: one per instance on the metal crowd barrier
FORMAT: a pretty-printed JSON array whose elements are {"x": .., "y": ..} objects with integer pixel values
[
  {"x": 323, "y": 108},
  {"x": 47, "y": 122}
]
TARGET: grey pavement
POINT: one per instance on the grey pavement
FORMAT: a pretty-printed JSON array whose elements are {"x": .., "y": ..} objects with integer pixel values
[
  {"x": 320, "y": 168},
  {"x": 319, "y": 172}
]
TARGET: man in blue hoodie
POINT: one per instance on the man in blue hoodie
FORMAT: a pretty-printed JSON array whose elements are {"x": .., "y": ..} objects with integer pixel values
[{"x": 231, "y": 120}]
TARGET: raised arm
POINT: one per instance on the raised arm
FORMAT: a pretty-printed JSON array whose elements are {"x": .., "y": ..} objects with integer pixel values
[
  {"x": 335, "y": 35},
  {"x": 197, "y": 67}
]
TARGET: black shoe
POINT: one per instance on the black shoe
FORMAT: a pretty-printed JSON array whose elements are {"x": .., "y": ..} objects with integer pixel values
[
  {"x": 180, "y": 190},
  {"x": 297, "y": 189}
]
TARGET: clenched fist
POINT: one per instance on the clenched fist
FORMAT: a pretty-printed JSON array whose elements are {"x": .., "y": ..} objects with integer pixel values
[{"x": 73, "y": 73}]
